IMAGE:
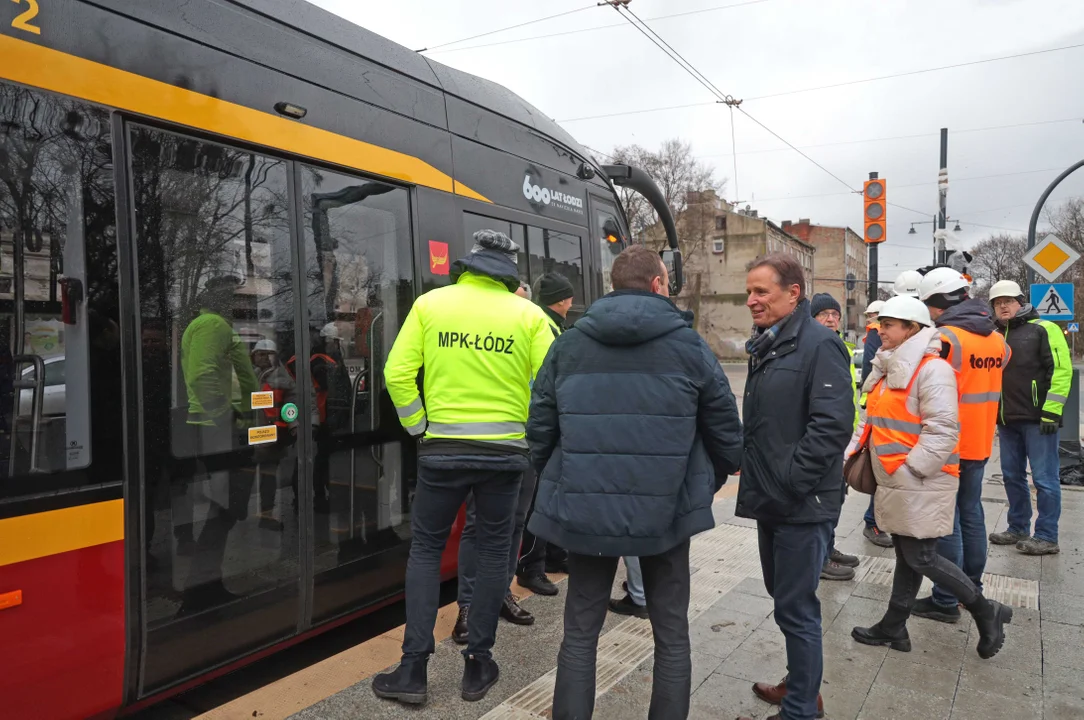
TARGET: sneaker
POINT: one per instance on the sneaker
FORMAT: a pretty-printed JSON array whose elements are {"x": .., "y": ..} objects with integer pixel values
[
  {"x": 835, "y": 571},
  {"x": 479, "y": 675},
  {"x": 843, "y": 559},
  {"x": 927, "y": 608},
  {"x": 877, "y": 537},
  {"x": 626, "y": 606},
  {"x": 1008, "y": 537},
  {"x": 1035, "y": 546},
  {"x": 407, "y": 683},
  {"x": 538, "y": 583},
  {"x": 460, "y": 632}
]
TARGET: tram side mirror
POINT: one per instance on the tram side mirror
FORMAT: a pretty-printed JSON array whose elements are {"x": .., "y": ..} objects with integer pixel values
[
  {"x": 71, "y": 296},
  {"x": 672, "y": 260}
]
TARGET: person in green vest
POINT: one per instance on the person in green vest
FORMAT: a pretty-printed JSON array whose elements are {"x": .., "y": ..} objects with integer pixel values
[{"x": 825, "y": 309}]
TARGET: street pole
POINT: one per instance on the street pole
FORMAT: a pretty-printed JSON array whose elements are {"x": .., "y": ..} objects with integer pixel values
[
  {"x": 942, "y": 194},
  {"x": 873, "y": 261},
  {"x": 1033, "y": 224}
]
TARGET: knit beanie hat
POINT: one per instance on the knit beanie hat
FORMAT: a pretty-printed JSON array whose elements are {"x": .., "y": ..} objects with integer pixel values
[
  {"x": 553, "y": 288},
  {"x": 494, "y": 240},
  {"x": 821, "y": 302}
]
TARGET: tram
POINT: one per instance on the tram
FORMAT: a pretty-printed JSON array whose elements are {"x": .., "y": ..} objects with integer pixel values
[{"x": 216, "y": 214}]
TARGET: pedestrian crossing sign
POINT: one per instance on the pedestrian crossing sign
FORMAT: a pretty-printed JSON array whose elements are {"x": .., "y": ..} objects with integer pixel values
[
  {"x": 1053, "y": 301},
  {"x": 1072, "y": 327}
]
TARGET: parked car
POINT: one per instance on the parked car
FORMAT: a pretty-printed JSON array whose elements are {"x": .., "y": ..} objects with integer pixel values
[{"x": 53, "y": 399}]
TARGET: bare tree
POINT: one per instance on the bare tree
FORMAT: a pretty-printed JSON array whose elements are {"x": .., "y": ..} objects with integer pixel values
[
  {"x": 998, "y": 257},
  {"x": 684, "y": 181}
]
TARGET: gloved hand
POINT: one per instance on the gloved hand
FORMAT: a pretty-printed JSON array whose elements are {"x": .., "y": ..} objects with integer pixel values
[{"x": 1048, "y": 427}]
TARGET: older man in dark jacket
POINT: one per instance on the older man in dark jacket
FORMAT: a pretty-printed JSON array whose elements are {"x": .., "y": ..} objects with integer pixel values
[
  {"x": 797, "y": 425},
  {"x": 633, "y": 429}
]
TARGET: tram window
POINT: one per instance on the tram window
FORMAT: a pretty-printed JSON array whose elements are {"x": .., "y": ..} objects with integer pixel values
[
  {"x": 612, "y": 245},
  {"x": 558, "y": 252},
  {"x": 60, "y": 387},
  {"x": 359, "y": 286}
]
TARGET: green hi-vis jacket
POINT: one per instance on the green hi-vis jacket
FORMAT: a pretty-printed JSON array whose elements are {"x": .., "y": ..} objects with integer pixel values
[
  {"x": 481, "y": 347},
  {"x": 1035, "y": 382},
  {"x": 211, "y": 355},
  {"x": 855, "y": 391}
]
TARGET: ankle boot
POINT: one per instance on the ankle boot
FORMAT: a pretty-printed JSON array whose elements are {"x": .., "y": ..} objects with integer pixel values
[
  {"x": 479, "y": 675},
  {"x": 991, "y": 617},
  {"x": 877, "y": 635},
  {"x": 408, "y": 683}
]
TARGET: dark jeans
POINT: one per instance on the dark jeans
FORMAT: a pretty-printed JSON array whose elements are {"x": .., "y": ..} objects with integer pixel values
[
  {"x": 966, "y": 547},
  {"x": 791, "y": 557},
  {"x": 871, "y": 519},
  {"x": 468, "y": 545},
  {"x": 437, "y": 500},
  {"x": 1020, "y": 445},
  {"x": 666, "y": 583},
  {"x": 915, "y": 558}
]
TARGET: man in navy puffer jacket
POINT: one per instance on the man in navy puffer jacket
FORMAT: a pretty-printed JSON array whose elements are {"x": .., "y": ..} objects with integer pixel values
[{"x": 633, "y": 429}]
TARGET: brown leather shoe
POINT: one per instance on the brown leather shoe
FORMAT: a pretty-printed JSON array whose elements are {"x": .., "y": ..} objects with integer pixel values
[
  {"x": 459, "y": 632},
  {"x": 513, "y": 613},
  {"x": 773, "y": 695}
]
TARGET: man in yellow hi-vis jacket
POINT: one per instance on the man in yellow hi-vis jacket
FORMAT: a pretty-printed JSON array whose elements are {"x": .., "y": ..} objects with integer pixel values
[
  {"x": 480, "y": 346},
  {"x": 1034, "y": 390}
]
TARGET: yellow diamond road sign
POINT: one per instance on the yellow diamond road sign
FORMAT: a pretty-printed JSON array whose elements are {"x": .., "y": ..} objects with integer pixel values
[{"x": 1051, "y": 257}]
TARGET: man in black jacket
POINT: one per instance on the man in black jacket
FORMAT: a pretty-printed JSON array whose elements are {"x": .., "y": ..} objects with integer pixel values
[
  {"x": 797, "y": 426},
  {"x": 646, "y": 432}
]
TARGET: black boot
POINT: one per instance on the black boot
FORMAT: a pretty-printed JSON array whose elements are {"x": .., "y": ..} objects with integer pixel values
[
  {"x": 991, "y": 617},
  {"x": 407, "y": 683},
  {"x": 890, "y": 631},
  {"x": 479, "y": 675},
  {"x": 460, "y": 632}
]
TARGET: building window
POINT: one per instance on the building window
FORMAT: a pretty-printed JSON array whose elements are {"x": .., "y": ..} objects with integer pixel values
[
  {"x": 720, "y": 222},
  {"x": 718, "y": 245}
]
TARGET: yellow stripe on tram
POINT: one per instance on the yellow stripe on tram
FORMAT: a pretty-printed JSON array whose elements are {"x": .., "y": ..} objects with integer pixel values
[
  {"x": 28, "y": 537},
  {"x": 59, "y": 72}
]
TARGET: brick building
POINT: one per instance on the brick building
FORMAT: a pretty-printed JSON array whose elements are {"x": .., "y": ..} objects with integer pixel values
[{"x": 841, "y": 253}]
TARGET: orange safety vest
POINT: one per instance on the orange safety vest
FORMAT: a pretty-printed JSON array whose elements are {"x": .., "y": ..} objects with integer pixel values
[
  {"x": 979, "y": 362},
  {"x": 875, "y": 325},
  {"x": 893, "y": 430},
  {"x": 321, "y": 395}
]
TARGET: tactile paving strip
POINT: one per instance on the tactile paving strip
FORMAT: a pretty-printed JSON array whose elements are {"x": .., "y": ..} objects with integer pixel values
[{"x": 1016, "y": 592}]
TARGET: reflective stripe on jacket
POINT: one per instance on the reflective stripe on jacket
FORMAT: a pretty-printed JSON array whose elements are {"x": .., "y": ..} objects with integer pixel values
[
  {"x": 1035, "y": 384},
  {"x": 979, "y": 362},
  {"x": 480, "y": 346}
]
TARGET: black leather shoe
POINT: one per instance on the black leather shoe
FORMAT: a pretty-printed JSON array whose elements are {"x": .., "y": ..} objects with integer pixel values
[
  {"x": 459, "y": 632},
  {"x": 513, "y": 613},
  {"x": 626, "y": 606},
  {"x": 407, "y": 683},
  {"x": 479, "y": 675},
  {"x": 927, "y": 608},
  {"x": 538, "y": 584},
  {"x": 876, "y": 635}
]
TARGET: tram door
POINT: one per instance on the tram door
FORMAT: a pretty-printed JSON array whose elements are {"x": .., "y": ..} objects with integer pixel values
[{"x": 275, "y": 477}]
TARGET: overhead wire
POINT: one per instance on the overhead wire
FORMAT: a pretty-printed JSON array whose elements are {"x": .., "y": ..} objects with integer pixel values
[{"x": 510, "y": 27}]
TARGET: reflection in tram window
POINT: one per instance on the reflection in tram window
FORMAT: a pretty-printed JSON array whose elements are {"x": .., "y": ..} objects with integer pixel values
[
  {"x": 57, "y": 218},
  {"x": 557, "y": 252},
  {"x": 359, "y": 290},
  {"x": 213, "y": 246}
]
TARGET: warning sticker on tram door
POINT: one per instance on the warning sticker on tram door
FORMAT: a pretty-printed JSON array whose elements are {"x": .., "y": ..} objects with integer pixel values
[
  {"x": 263, "y": 400},
  {"x": 262, "y": 435}
]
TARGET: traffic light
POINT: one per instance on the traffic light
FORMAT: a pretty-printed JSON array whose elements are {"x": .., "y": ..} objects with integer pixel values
[{"x": 873, "y": 195}]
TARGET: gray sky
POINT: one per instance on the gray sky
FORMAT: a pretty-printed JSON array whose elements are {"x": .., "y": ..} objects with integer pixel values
[{"x": 775, "y": 46}]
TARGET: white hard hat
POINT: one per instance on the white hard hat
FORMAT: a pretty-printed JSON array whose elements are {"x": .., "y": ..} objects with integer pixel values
[
  {"x": 941, "y": 281},
  {"x": 331, "y": 330},
  {"x": 905, "y": 307},
  {"x": 266, "y": 345},
  {"x": 907, "y": 283},
  {"x": 874, "y": 307},
  {"x": 1005, "y": 288}
]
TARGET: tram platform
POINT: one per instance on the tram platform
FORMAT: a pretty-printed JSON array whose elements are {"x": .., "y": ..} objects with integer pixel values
[{"x": 1038, "y": 674}]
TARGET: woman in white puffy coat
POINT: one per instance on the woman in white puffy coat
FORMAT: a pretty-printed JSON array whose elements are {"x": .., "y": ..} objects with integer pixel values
[{"x": 912, "y": 411}]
